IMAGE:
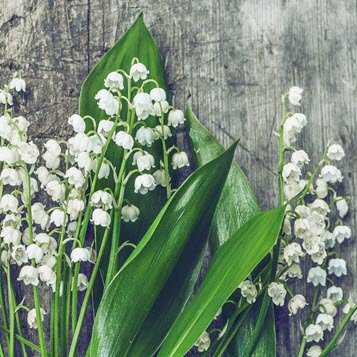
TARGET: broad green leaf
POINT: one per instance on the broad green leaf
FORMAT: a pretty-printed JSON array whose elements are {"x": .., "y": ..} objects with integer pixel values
[
  {"x": 127, "y": 301},
  {"x": 236, "y": 205},
  {"x": 136, "y": 42},
  {"x": 231, "y": 264}
]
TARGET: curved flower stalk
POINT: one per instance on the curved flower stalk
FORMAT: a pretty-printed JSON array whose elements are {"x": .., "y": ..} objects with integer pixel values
[
  {"x": 313, "y": 230},
  {"x": 50, "y": 244}
]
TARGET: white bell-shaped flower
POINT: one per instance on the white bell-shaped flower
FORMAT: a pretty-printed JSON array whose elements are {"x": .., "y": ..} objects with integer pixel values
[
  {"x": 321, "y": 188},
  {"x": 124, "y": 140},
  {"x": 29, "y": 275},
  {"x": 39, "y": 215},
  {"x": 44, "y": 241},
  {"x": 101, "y": 218},
  {"x": 342, "y": 207},
  {"x": 9, "y": 203},
  {"x": 143, "y": 106},
  {"x": 77, "y": 122},
  {"x": 57, "y": 217},
  {"x": 314, "y": 332},
  {"x": 74, "y": 208},
  {"x": 300, "y": 158},
  {"x": 21, "y": 123},
  {"x": 48, "y": 276},
  {"x": 176, "y": 117},
  {"x": 79, "y": 255},
  {"x": 18, "y": 84},
  {"x": 9, "y": 156},
  {"x": 10, "y": 177},
  {"x": 292, "y": 253},
  {"x": 296, "y": 303},
  {"x": 144, "y": 183},
  {"x": 130, "y": 213},
  {"x": 320, "y": 206},
  {"x": 249, "y": 291},
  {"x": 114, "y": 80},
  {"x": 138, "y": 71},
  {"x": 158, "y": 94},
  {"x": 291, "y": 172},
  {"x": 104, "y": 127},
  {"x": 179, "y": 160},
  {"x": 314, "y": 351},
  {"x": 28, "y": 152},
  {"x": 52, "y": 161},
  {"x": 19, "y": 254},
  {"x": 295, "y": 95},
  {"x": 82, "y": 282},
  {"x": 6, "y": 98},
  {"x": 159, "y": 132},
  {"x": 159, "y": 176},
  {"x": 203, "y": 342},
  {"x": 35, "y": 252},
  {"x": 335, "y": 152},
  {"x": 161, "y": 107},
  {"x": 327, "y": 306},
  {"x": 53, "y": 147},
  {"x": 337, "y": 267},
  {"x": 79, "y": 143},
  {"x": 104, "y": 170},
  {"x": 56, "y": 190},
  {"x": 75, "y": 177},
  {"x": 107, "y": 102},
  {"x": 277, "y": 292},
  {"x": 32, "y": 317},
  {"x": 317, "y": 276},
  {"x": 85, "y": 162},
  {"x": 10, "y": 235},
  {"x": 331, "y": 174},
  {"x": 145, "y": 136},
  {"x": 102, "y": 199},
  {"x": 335, "y": 293},
  {"x": 325, "y": 321},
  {"x": 145, "y": 161},
  {"x": 341, "y": 233}
]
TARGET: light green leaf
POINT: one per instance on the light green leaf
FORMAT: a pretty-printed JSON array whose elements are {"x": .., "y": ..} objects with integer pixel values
[
  {"x": 128, "y": 300},
  {"x": 236, "y": 205},
  {"x": 231, "y": 264}
]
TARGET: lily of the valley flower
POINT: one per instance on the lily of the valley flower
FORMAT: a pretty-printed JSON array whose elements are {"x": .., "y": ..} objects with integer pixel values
[
  {"x": 295, "y": 95},
  {"x": 29, "y": 275},
  {"x": 124, "y": 140},
  {"x": 248, "y": 290},
  {"x": 335, "y": 152},
  {"x": 32, "y": 319},
  {"x": 296, "y": 303},
  {"x": 77, "y": 122},
  {"x": 317, "y": 276},
  {"x": 176, "y": 117},
  {"x": 138, "y": 71},
  {"x": 101, "y": 218},
  {"x": 144, "y": 183},
  {"x": 114, "y": 80},
  {"x": 180, "y": 160},
  {"x": 314, "y": 332},
  {"x": 130, "y": 213},
  {"x": 337, "y": 267}
]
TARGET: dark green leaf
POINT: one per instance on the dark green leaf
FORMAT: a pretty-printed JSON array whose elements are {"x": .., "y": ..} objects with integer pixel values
[
  {"x": 236, "y": 205},
  {"x": 130, "y": 297},
  {"x": 231, "y": 264}
]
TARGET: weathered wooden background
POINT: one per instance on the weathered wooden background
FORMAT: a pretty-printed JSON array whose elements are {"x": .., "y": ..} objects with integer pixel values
[{"x": 231, "y": 59}]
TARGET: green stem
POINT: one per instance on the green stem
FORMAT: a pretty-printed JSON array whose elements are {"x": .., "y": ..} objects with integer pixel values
[
  {"x": 88, "y": 293},
  {"x": 59, "y": 262},
  {"x": 3, "y": 308},
  {"x": 165, "y": 154},
  {"x": 22, "y": 340},
  {"x": 224, "y": 346},
  {"x": 302, "y": 347},
  {"x": 35, "y": 288},
  {"x": 334, "y": 340},
  {"x": 11, "y": 313},
  {"x": 83, "y": 228}
]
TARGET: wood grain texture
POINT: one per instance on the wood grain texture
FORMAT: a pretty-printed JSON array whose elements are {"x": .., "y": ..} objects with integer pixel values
[{"x": 232, "y": 59}]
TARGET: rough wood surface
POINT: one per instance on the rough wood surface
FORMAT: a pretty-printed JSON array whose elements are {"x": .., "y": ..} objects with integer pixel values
[{"x": 231, "y": 59}]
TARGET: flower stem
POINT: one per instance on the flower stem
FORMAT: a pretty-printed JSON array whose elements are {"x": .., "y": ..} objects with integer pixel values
[
  {"x": 302, "y": 347},
  {"x": 88, "y": 293},
  {"x": 35, "y": 288},
  {"x": 83, "y": 229},
  {"x": 165, "y": 154},
  {"x": 11, "y": 313},
  {"x": 334, "y": 340}
]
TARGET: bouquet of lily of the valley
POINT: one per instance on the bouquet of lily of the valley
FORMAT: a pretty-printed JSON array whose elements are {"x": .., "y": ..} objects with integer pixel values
[{"x": 101, "y": 224}]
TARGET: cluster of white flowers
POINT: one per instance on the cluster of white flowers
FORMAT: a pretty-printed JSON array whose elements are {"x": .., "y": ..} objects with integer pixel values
[
  {"x": 312, "y": 229},
  {"x": 37, "y": 238}
]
